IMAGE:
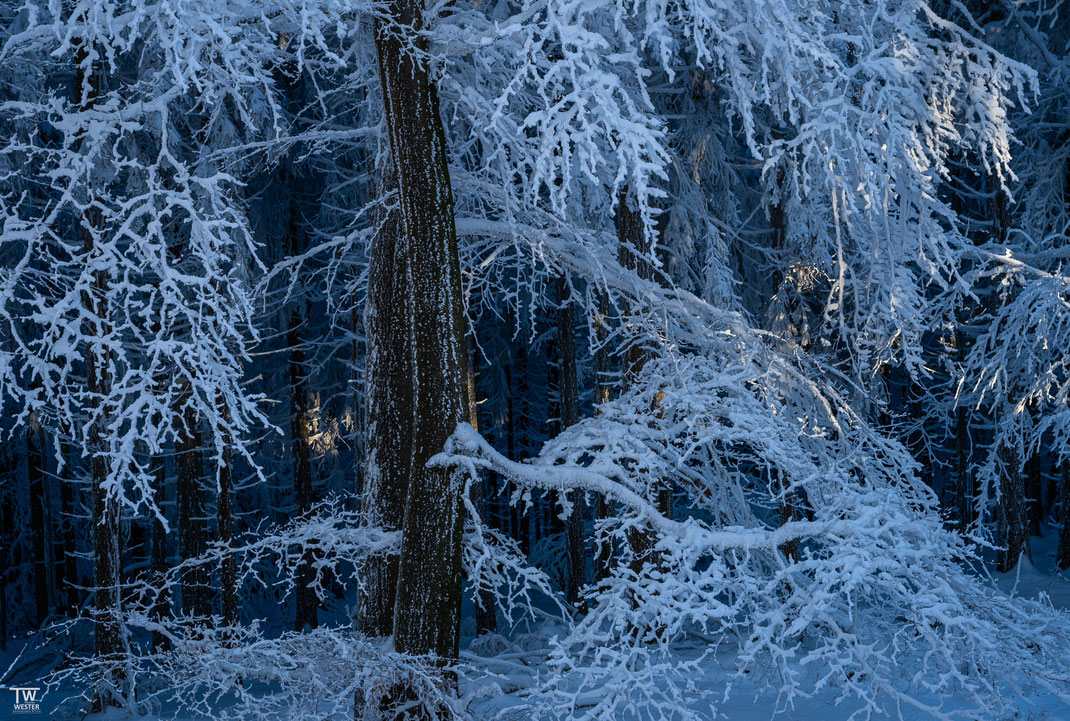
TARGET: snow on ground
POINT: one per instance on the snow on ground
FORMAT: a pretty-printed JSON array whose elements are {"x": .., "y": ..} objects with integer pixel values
[{"x": 512, "y": 664}]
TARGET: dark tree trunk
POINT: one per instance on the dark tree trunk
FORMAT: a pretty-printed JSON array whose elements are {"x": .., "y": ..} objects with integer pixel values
[
  {"x": 428, "y": 604},
  {"x": 486, "y": 611},
  {"x": 7, "y": 527},
  {"x": 778, "y": 224},
  {"x": 307, "y": 602},
  {"x": 570, "y": 414},
  {"x": 40, "y": 519},
  {"x": 1012, "y": 514},
  {"x": 389, "y": 398},
  {"x": 162, "y": 603},
  {"x": 307, "y": 613},
  {"x": 602, "y": 368},
  {"x": 963, "y": 486},
  {"x": 192, "y": 541},
  {"x": 68, "y": 570},
  {"x": 1034, "y": 484},
  {"x": 109, "y": 640},
  {"x": 228, "y": 568},
  {"x": 1062, "y": 555},
  {"x": 635, "y": 251}
]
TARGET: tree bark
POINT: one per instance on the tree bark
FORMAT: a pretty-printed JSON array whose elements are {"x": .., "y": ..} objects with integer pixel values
[
  {"x": 486, "y": 611},
  {"x": 228, "y": 568},
  {"x": 635, "y": 251},
  {"x": 191, "y": 512},
  {"x": 307, "y": 612},
  {"x": 963, "y": 487},
  {"x": 428, "y": 602},
  {"x": 1012, "y": 514},
  {"x": 67, "y": 578},
  {"x": 389, "y": 398},
  {"x": 1062, "y": 556},
  {"x": 40, "y": 519},
  {"x": 602, "y": 368},
  {"x": 109, "y": 640},
  {"x": 570, "y": 415},
  {"x": 162, "y": 603}
]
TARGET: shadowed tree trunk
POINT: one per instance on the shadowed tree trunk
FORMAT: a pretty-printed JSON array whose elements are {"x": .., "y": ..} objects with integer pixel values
[
  {"x": 1062, "y": 555},
  {"x": 192, "y": 541},
  {"x": 788, "y": 510},
  {"x": 307, "y": 612},
  {"x": 635, "y": 251},
  {"x": 162, "y": 604},
  {"x": 570, "y": 414},
  {"x": 1012, "y": 514},
  {"x": 228, "y": 568},
  {"x": 1033, "y": 486},
  {"x": 389, "y": 398},
  {"x": 602, "y": 369},
  {"x": 486, "y": 611},
  {"x": 40, "y": 519},
  {"x": 67, "y": 580},
  {"x": 109, "y": 641},
  {"x": 428, "y": 603},
  {"x": 963, "y": 483}
]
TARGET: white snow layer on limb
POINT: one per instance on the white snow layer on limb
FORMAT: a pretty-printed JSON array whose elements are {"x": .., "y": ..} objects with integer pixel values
[
  {"x": 1018, "y": 369},
  {"x": 251, "y": 671},
  {"x": 494, "y": 563},
  {"x": 137, "y": 216},
  {"x": 876, "y": 603},
  {"x": 853, "y": 112}
]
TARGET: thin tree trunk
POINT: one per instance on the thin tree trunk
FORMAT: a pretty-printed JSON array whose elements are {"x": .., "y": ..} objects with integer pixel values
[
  {"x": 602, "y": 368},
  {"x": 162, "y": 603},
  {"x": 570, "y": 415},
  {"x": 634, "y": 253},
  {"x": 1012, "y": 514},
  {"x": 228, "y": 568},
  {"x": 40, "y": 521},
  {"x": 7, "y": 527},
  {"x": 71, "y": 580},
  {"x": 963, "y": 486},
  {"x": 307, "y": 612},
  {"x": 788, "y": 510},
  {"x": 389, "y": 399},
  {"x": 109, "y": 640},
  {"x": 1034, "y": 496},
  {"x": 1062, "y": 556},
  {"x": 191, "y": 512},
  {"x": 428, "y": 603},
  {"x": 486, "y": 611}
]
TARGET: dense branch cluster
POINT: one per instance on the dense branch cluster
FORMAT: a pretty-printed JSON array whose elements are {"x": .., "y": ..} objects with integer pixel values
[{"x": 687, "y": 338}]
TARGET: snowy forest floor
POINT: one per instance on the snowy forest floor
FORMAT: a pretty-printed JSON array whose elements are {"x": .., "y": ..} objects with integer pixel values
[{"x": 512, "y": 663}]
